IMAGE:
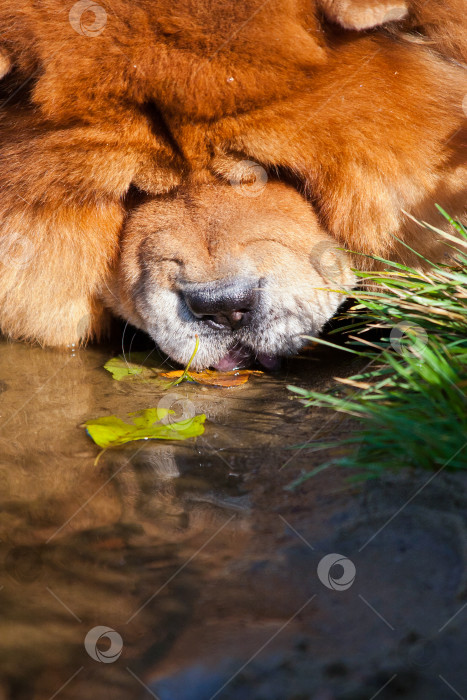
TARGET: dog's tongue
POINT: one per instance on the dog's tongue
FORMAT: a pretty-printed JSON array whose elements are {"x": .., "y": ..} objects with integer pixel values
[
  {"x": 271, "y": 362},
  {"x": 239, "y": 357}
]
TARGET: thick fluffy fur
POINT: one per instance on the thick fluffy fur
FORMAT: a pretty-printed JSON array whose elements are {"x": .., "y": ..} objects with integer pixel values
[
  {"x": 149, "y": 91},
  {"x": 208, "y": 235}
]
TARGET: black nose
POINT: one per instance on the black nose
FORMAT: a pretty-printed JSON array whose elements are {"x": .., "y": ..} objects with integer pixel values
[{"x": 225, "y": 304}]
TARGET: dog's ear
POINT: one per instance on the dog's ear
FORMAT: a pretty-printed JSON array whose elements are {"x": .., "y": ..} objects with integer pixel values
[{"x": 363, "y": 14}]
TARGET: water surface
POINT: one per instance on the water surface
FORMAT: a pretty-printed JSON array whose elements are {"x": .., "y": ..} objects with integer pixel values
[{"x": 197, "y": 561}]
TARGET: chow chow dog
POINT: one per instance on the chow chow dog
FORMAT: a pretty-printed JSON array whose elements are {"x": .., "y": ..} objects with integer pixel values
[{"x": 186, "y": 102}]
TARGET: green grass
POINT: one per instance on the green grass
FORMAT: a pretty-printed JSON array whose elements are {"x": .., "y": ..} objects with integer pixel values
[{"x": 410, "y": 401}]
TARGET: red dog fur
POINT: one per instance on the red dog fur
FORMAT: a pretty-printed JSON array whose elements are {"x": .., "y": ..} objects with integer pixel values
[{"x": 370, "y": 124}]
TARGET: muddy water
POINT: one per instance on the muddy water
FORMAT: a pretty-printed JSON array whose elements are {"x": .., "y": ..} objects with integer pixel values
[{"x": 185, "y": 571}]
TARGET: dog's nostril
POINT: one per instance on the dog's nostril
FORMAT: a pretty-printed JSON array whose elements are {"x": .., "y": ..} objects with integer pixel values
[
  {"x": 237, "y": 316},
  {"x": 226, "y": 304},
  {"x": 227, "y": 319}
]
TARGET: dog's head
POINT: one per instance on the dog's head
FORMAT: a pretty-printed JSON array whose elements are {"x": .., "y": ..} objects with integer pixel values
[{"x": 246, "y": 267}]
